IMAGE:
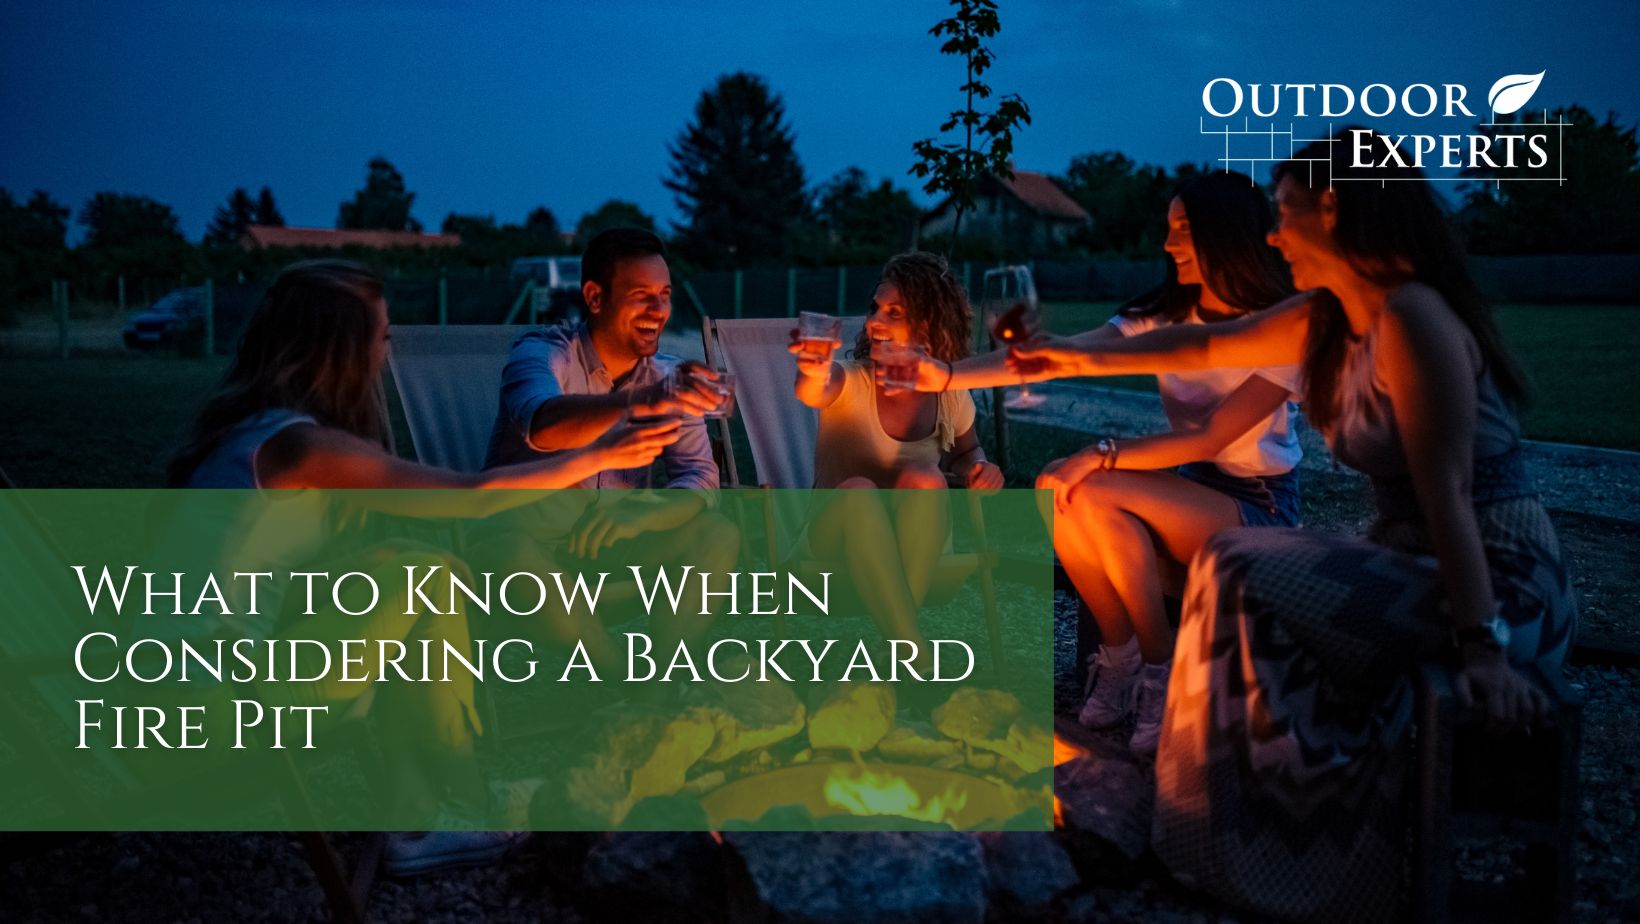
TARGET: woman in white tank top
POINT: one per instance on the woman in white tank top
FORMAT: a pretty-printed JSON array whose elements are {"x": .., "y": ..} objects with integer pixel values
[{"x": 1125, "y": 509}]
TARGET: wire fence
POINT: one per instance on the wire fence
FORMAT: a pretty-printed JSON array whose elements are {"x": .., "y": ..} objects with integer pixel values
[{"x": 95, "y": 315}]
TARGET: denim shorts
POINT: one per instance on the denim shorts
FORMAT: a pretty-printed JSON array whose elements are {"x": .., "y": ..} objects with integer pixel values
[{"x": 1265, "y": 500}]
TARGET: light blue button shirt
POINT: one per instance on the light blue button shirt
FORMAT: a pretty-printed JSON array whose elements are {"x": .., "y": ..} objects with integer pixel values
[{"x": 557, "y": 361}]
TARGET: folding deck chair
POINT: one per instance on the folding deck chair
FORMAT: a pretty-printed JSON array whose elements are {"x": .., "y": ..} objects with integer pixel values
[
  {"x": 783, "y": 432},
  {"x": 449, "y": 381},
  {"x": 34, "y": 676}
]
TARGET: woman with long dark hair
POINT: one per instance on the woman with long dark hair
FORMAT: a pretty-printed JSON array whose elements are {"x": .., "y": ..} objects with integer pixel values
[
  {"x": 1125, "y": 508},
  {"x": 1281, "y": 775},
  {"x": 301, "y": 406}
]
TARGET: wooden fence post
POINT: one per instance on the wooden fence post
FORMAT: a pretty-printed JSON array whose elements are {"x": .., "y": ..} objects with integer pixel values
[
  {"x": 210, "y": 317},
  {"x": 59, "y": 297},
  {"x": 842, "y": 290}
]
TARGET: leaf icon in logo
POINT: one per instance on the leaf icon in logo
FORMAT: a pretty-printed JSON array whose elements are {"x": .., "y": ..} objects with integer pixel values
[{"x": 1513, "y": 92}]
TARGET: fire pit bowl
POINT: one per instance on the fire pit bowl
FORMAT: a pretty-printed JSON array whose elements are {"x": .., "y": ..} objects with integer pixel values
[{"x": 872, "y": 788}]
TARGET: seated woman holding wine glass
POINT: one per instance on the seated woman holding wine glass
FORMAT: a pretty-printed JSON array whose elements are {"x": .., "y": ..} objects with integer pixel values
[
  {"x": 872, "y": 436},
  {"x": 1124, "y": 509}
]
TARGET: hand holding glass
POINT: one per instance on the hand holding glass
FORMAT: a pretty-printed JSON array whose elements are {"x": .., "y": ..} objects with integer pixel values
[
  {"x": 899, "y": 364},
  {"x": 818, "y": 333}
]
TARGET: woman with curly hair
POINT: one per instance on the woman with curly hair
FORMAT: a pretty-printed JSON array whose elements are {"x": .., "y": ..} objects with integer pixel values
[{"x": 871, "y": 437}]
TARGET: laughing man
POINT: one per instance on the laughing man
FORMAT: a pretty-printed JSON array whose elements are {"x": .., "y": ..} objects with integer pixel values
[{"x": 563, "y": 387}]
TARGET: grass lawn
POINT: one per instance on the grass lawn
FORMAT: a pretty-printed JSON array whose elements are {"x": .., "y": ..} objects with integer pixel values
[
  {"x": 1584, "y": 362},
  {"x": 112, "y": 421}
]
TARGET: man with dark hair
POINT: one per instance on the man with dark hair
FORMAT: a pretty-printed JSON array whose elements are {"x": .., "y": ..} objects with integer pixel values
[{"x": 564, "y": 386}]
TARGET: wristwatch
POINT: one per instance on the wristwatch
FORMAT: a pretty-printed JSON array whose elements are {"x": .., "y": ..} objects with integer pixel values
[{"x": 1494, "y": 634}]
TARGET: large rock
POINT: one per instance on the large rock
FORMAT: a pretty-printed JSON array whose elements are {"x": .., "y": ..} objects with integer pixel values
[
  {"x": 750, "y": 716},
  {"x": 1025, "y": 872},
  {"x": 973, "y": 715},
  {"x": 862, "y": 878},
  {"x": 655, "y": 876},
  {"x": 854, "y": 717},
  {"x": 637, "y": 756},
  {"x": 1105, "y": 801}
]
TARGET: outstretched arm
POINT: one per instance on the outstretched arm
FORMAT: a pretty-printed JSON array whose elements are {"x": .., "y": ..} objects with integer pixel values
[
  {"x": 1272, "y": 337},
  {"x": 308, "y": 456},
  {"x": 986, "y": 370}
]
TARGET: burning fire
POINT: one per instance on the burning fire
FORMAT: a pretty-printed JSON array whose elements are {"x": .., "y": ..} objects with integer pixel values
[{"x": 861, "y": 791}]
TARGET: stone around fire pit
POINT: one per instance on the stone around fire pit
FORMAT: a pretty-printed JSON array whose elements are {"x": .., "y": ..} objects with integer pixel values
[
  {"x": 861, "y": 878},
  {"x": 1105, "y": 802},
  {"x": 749, "y": 717},
  {"x": 655, "y": 877},
  {"x": 640, "y": 755},
  {"x": 1025, "y": 872},
  {"x": 854, "y": 717},
  {"x": 974, "y": 715}
]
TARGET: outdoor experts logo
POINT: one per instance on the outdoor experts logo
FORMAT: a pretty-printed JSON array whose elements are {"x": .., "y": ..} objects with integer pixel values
[{"x": 1513, "y": 149}]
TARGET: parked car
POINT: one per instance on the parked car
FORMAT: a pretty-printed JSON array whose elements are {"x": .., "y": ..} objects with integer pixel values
[
  {"x": 557, "y": 285},
  {"x": 177, "y": 319}
]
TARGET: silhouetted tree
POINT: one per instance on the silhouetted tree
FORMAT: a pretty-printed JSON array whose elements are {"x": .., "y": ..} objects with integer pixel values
[
  {"x": 863, "y": 223},
  {"x": 736, "y": 174},
  {"x": 382, "y": 204},
  {"x": 267, "y": 212},
  {"x": 542, "y": 225},
  {"x": 115, "y": 219},
  {"x": 1597, "y": 210},
  {"x": 33, "y": 248},
  {"x": 231, "y": 219},
  {"x": 1128, "y": 201},
  {"x": 134, "y": 236},
  {"x": 615, "y": 213},
  {"x": 468, "y": 225}
]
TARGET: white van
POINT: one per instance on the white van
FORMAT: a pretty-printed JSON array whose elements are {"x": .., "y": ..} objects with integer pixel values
[{"x": 557, "y": 285}]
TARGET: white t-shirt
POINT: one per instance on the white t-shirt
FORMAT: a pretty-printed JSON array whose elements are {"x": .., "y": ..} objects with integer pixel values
[{"x": 1190, "y": 398}]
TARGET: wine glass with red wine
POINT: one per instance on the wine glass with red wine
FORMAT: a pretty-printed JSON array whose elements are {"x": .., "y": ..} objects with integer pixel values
[{"x": 1013, "y": 315}]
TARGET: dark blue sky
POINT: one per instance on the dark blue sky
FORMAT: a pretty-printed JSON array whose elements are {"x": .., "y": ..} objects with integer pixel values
[{"x": 495, "y": 107}]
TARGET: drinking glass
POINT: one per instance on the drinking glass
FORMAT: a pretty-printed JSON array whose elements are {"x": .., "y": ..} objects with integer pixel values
[
  {"x": 818, "y": 333},
  {"x": 669, "y": 388},
  {"x": 899, "y": 363},
  {"x": 724, "y": 385},
  {"x": 1013, "y": 315}
]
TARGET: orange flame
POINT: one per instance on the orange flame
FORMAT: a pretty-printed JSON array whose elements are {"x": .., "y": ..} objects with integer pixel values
[{"x": 864, "y": 792}]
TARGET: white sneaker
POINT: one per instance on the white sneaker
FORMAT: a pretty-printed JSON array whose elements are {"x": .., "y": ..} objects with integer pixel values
[
  {"x": 1150, "y": 704},
  {"x": 431, "y": 851},
  {"x": 1109, "y": 691}
]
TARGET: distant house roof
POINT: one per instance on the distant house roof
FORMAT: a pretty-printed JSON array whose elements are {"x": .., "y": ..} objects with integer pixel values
[
  {"x": 260, "y": 236},
  {"x": 1037, "y": 192},
  {"x": 1045, "y": 196}
]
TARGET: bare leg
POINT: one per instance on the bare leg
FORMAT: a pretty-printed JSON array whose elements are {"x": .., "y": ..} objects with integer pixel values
[
  {"x": 854, "y": 527},
  {"x": 555, "y": 625},
  {"x": 1127, "y": 518},
  {"x": 1079, "y": 552},
  {"x": 921, "y": 523},
  {"x": 709, "y": 542}
]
